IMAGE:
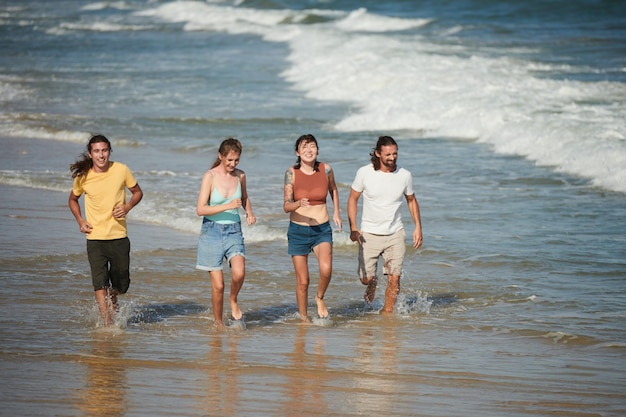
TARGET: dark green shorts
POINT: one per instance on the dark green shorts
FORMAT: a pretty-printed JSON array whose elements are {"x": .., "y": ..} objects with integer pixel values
[{"x": 110, "y": 262}]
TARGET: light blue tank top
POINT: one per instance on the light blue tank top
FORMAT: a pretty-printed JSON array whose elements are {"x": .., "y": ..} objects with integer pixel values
[{"x": 228, "y": 216}]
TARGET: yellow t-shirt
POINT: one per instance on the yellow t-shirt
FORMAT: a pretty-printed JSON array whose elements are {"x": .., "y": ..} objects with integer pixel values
[{"x": 103, "y": 191}]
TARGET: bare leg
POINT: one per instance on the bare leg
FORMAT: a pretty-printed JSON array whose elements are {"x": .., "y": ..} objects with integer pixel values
[
  {"x": 301, "y": 267},
  {"x": 324, "y": 253},
  {"x": 102, "y": 299},
  {"x": 391, "y": 294},
  {"x": 112, "y": 299},
  {"x": 238, "y": 270},
  {"x": 370, "y": 291},
  {"x": 217, "y": 296}
]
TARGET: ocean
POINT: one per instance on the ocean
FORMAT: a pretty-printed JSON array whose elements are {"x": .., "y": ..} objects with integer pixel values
[{"x": 509, "y": 115}]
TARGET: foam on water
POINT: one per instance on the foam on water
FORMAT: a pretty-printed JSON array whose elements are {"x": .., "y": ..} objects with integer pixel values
[{"x": 410, "y": 84}]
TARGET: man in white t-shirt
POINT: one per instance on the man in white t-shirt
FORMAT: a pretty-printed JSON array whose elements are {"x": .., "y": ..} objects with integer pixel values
[{"x": 383, "y": 185}]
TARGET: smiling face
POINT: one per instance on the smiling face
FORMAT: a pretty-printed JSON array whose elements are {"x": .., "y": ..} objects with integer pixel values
[
  {"x": 99, "y": 154},
  {"x": 230, "y": 161},
  {"x": 307, "y": 151},
  {"x": 388, "y": 155}
]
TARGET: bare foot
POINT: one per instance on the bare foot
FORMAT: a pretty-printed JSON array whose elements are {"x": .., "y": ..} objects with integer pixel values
[
  {"x": 370, "y": 291},
  {"x": 322, "y": 311},
  {"x": 235, "y": 311}
]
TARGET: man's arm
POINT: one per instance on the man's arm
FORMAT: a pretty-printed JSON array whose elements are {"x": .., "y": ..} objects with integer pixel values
[
  {"x": 355, "y": 233},
  {"x": 75, "y": 209},
  {"x": 122, "y": 210},
  {"x": 414, "y": 210}
]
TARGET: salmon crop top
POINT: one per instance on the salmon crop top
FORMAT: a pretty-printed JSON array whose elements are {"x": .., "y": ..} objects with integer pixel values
[{"x": 314, "y": 187}]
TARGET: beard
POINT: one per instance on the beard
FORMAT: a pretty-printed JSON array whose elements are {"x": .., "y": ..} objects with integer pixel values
[{"x": 390, "y": 165}]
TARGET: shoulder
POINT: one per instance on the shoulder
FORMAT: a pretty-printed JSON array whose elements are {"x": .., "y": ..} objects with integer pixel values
[
  {"x": 118, "y": 166},
  {"x": 119, "y": 169},
  {"x": 404, "y": 172},
  {"x": 208, "y": 175},
  {"x": 325, "y": 167},
  {"x": 80, "y": 179},
  {"x": 289, "y": 175},
  {"x": 366, "y": 169}
]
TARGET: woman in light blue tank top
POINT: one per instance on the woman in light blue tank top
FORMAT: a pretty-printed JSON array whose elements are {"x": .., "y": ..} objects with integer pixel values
[{"x": 222, "y": 193}]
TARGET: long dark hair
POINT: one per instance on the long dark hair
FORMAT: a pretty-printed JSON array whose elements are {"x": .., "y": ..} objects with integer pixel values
[
  {"x": 308, "y": 138},
  {"x": 84, "y": 163},
  {"x": 226, "y": 147},
  {"x": 382, "y": 141}
]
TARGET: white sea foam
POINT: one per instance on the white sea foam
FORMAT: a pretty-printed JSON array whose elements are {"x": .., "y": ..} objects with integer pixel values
[
  {"x": 362, "y": 21},
  {"x": 407, "y": 84},
  {"x": 45, "y": 180},
  {"x": 119, "y": 5},
  {"x": 11, "y": 126},
  {"x": 95, "y": 27},
  {"x": 574, "y": 126}
]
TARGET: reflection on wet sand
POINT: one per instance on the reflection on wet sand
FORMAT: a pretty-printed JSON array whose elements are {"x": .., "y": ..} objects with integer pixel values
[
  {"x": 104, "y": 394},
  {"x": 376, "y": 376},
  {"x": 222, "y": 376},
  {"x": 307, "y": 378}
]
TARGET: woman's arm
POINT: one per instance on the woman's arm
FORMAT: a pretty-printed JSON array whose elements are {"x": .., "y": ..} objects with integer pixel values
[
  {"x": 245, "y": 201},
  {"x": 289, "y": 204},
  {"x": 334, "y": 195}
]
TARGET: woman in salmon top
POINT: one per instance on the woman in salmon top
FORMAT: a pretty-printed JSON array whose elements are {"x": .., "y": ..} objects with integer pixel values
[{"x": 307, "y": 184}]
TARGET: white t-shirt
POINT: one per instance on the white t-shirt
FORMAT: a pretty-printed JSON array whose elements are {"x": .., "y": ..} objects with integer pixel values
[{"x": 382, "y": 193}]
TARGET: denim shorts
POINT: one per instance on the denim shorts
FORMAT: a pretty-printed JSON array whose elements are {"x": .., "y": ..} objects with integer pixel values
[
  {"x": 218, "y": 242},
  {"x": 302, "y": 239}
]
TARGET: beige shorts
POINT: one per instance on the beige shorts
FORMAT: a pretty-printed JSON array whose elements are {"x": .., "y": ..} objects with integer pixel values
[{"x": 391, "y": 247}]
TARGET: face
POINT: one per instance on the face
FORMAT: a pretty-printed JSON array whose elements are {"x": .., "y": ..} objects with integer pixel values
[
  {"x": 230, "y": 161},
  {"x": 307, "y": 151},
  {"x": 388, "y": 156},
  {"x": 99, "y": 155}
]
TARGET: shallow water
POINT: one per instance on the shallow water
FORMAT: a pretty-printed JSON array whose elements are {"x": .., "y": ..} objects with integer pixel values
[
  {"x": 476, "y": 335},
  {"x": 509, "y": 116}
]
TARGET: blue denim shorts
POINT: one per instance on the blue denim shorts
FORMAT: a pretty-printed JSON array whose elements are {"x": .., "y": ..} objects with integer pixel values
[
  {"x": 302, "y": 239},
  {"x": 218, "y": 242}
]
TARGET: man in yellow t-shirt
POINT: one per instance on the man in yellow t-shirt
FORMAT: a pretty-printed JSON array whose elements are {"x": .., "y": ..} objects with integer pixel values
[{"x": 104, "y": 184}]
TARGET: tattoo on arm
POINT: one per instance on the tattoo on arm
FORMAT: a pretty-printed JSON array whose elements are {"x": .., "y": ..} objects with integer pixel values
[
  {"x": 289, "y": 186},
  {"x": 289, "y": 193},
  {"x": 289, "y": 177}
]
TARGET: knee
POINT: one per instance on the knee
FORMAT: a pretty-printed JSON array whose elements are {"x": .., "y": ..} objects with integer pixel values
[{"x": 302, "y": 285}]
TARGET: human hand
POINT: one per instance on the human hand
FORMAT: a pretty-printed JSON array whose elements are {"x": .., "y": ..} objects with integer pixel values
[
  {"x": 417, "y": 239},
  {"x": 236, "y": 203},
  {"x": 251, "y": 219},
  {"x": 120, "y": 211},
  {"x": 86, "y": 228},
  {"x": 337, "y": 220},
  {"x": 355, "y": 236}
]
